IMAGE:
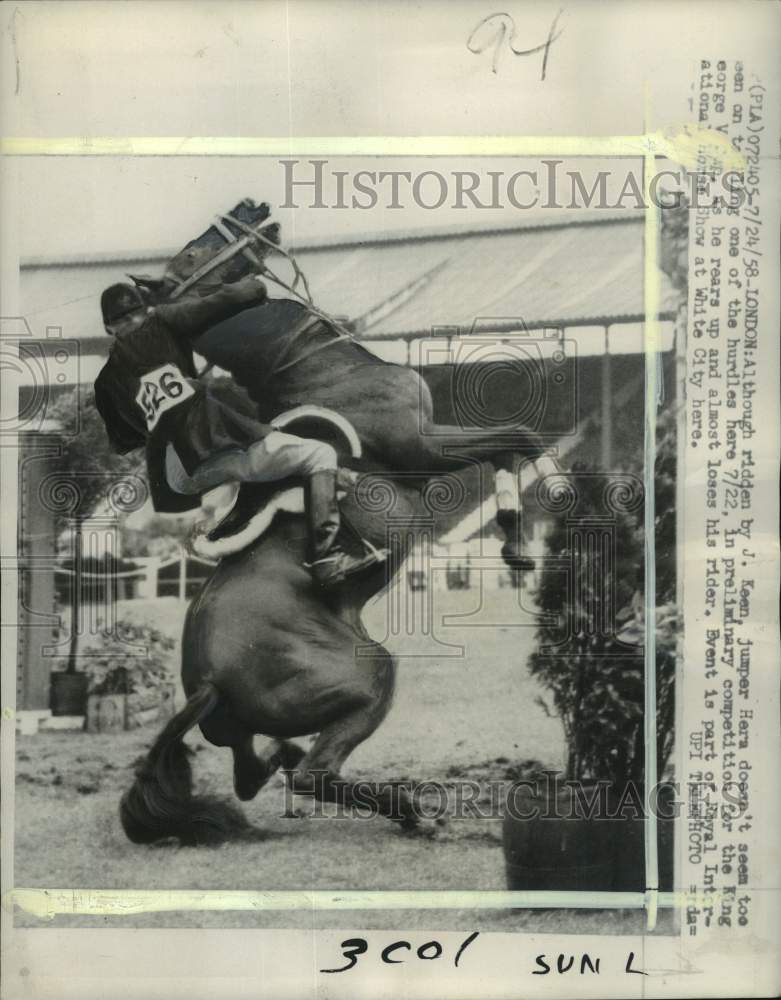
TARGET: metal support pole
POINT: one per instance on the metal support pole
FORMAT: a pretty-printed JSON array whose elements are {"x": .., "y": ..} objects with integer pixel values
[
  {"x": 182, "y": 575},
  {"x": 651, "y": 340},
  {"x": 607, "y": 407}
]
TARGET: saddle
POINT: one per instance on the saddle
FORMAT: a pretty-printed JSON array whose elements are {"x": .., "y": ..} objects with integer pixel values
[
  {"x": 251, "y": 498},
  {"x": 250, "y": 516},
  {"x": 253, "y": 506}
]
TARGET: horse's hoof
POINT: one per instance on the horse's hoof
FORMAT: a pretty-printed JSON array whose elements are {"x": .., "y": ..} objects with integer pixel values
[
  {"x": 514, "y": 558},
  {"x": 520, "y": 565},
  {"x": 509, "y": 520},
  {"x": 413, "y": 827},
  {"x": 246, "y": 793}
]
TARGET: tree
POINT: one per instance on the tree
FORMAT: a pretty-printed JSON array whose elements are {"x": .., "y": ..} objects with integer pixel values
[
  {"x": 162, "y": 535},
  {"x": 89, "y": 473}
]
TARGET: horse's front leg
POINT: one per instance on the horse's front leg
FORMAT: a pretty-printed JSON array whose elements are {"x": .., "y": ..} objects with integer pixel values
[{"x": 318, "y": 775}]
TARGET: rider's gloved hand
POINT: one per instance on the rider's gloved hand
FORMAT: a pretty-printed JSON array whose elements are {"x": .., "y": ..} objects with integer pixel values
[
  {"x": 249, "y": 289},
  {"x": 345, "y": 478}
]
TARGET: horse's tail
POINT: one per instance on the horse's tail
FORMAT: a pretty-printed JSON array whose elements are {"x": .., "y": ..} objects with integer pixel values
[{"x": 160, "y": 802}]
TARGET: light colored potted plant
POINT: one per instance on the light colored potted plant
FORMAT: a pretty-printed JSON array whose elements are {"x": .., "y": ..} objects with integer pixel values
[{"x": 131, "y": 678}]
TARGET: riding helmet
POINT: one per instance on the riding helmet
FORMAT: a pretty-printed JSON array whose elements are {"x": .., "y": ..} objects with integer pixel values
[{"x": 119, "y": 300}]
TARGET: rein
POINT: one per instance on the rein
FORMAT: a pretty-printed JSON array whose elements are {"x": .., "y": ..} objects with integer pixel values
[
  {"x": 243, "y": 245},
  {"x": 306, "y": 298}
]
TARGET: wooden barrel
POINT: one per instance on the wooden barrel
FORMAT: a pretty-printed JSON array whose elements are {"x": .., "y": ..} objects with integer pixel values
[
  {"x": 630, "y": 868},
  {"x": 551, "y": 843}
]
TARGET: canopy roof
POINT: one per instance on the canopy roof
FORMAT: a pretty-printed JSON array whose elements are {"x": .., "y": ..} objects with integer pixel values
[{"x": 578, "y": 268}]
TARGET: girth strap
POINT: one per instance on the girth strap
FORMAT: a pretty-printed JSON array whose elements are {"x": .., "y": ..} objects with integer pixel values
[
  {"x": 298, "y": 332},
  {"x": 283, "y": 360}
]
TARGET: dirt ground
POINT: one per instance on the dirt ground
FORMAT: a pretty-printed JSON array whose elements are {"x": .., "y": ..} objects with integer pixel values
[{"x": 467, "y": 716}]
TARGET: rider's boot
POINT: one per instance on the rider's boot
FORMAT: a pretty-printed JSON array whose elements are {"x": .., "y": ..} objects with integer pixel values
[{"x": 330, "y": 564}]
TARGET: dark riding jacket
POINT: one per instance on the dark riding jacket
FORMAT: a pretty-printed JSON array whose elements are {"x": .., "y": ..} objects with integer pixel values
[{"x": 148, "y": 393}]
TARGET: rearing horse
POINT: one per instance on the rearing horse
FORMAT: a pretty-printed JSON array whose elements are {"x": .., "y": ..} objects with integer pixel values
[{"x": 264, "y": 651}]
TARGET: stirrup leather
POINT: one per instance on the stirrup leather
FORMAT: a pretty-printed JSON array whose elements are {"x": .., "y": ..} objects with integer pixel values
[{"x": 380, "y": 555}]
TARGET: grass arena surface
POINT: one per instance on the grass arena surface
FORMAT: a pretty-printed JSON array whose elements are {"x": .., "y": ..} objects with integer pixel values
[{"x": 470, "y": 717}]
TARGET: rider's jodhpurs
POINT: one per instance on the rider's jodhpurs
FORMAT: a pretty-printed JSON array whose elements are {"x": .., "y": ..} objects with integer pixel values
[{"x": 278, "y": 456}]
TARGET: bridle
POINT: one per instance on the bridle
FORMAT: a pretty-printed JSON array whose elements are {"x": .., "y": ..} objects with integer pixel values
[
  {"x": 235, "y": 247},
  {"x": 244, "y": 245}
]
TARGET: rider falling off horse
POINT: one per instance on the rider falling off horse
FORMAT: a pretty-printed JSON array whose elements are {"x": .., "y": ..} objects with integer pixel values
[{"x": 148, "y": 394}]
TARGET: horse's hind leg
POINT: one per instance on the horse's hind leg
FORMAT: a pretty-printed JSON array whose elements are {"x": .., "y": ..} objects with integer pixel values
[
  {"x": 251, "y": 771},
  {"x": 434, "y": 449}
]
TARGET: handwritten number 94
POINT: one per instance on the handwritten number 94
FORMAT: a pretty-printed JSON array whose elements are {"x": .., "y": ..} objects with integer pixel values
[{"x": 498, "y": 29}]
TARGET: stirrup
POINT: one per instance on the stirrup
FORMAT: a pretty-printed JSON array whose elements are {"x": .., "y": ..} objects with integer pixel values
[
  {"x": 331, "y": 570},
  {"x": 379, "y": 554}
]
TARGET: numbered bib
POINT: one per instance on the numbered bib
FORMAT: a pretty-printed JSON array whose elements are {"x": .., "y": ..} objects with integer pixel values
[{"x": 162, "y": 390}]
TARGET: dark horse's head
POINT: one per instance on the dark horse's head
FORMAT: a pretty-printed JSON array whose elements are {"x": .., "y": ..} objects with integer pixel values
[{"x": 231, "y": 226}]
